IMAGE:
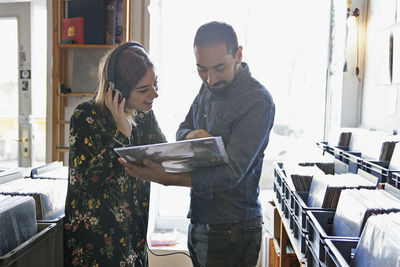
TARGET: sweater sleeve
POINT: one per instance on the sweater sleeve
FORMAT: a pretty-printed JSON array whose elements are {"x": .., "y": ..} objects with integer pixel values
[{"x": 91, "y": 144}]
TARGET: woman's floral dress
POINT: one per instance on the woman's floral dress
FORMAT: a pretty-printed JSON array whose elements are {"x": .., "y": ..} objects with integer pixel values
[{"x": 106, "y": 212}]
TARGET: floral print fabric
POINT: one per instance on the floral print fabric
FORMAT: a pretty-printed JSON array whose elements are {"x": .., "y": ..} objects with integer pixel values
[{"x": 106, "y": 212}]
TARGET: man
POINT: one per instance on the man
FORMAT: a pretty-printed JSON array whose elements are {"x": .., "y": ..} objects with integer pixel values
[{"x": 225, "y": 214}]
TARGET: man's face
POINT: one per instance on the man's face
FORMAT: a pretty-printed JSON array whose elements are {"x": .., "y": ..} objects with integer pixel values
[{"x": 216, "y": 67}]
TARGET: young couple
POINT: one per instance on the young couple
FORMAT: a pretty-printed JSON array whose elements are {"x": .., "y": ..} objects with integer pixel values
[{"x": 106, "y": 210}]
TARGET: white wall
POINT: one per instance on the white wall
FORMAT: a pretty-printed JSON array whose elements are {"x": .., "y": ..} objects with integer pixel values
[{"x": 380, "y": 101}]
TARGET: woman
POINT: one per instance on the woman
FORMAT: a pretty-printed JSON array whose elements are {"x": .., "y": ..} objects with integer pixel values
[{"x": 106, "y": 212}]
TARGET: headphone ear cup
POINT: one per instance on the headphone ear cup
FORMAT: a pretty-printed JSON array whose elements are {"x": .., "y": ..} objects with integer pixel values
[{"x": 123, "y": 88}]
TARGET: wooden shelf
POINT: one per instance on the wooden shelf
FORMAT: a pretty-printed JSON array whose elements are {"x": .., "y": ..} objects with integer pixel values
[
  {"x": 101, "y": 46},
  {"x": 75, "y": 94},
  {"x": 62, "y": 149},
  {"x": 62, "y": 58}
]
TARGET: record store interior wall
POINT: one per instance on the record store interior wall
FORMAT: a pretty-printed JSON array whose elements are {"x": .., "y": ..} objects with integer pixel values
[
  {"x": 380, "y": 107},
  {"x": 370, "y": 99}
]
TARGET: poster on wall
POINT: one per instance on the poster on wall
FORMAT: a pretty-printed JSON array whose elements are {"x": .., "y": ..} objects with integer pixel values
[
  {"x": 396, "y": 55},
  {"x": 383, "y": 57}
]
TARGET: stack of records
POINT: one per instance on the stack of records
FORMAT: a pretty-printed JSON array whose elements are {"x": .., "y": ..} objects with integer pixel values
[
  {"x": 308, "y": 154},
  {"x": 395, "y": 159},
  {"x": 379, "y": 242},
  {"x": 57, "y": 173},
  {"x": 53, "y": 170},
  {"x": 17, "y": 221},
  {"x": 301, "y": 176},
  {"x": 49, "y": 195},
  {"x": 325, "y": 190},
  {"x": 10, "y": 175},
  {"x": 356, "y": 206}
]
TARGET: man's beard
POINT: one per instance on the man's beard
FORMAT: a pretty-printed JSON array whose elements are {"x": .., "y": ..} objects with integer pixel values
[{"x": 216, "y": 90}]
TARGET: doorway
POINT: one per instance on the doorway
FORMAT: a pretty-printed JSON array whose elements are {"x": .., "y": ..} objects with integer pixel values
[{"x": 22, "y": 125}]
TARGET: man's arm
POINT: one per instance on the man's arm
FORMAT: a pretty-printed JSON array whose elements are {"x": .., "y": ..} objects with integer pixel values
[
  {"x": 248, "y": 139},
  {"x": 154, "y": 172}
]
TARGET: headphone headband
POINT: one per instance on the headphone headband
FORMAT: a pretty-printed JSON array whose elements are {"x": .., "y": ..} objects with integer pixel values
[{"x": 112, "y": 60}]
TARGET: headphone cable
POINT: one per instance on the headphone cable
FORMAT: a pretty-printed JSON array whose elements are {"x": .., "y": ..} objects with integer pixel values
[
  {"x": 145, "y": 228},
  {"x": 165, "y": 254}
]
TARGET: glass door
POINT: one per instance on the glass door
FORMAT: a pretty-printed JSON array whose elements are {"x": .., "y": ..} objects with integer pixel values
[{"x": 15, "y": 86}]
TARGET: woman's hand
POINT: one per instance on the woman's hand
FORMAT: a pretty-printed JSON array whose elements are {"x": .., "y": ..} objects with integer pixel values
[
  {"x": 154, "y": 172},
  {"x": 117, "y": 111}
]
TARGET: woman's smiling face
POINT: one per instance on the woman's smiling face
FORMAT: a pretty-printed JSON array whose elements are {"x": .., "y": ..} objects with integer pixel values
[{"x": 142, "y": 96}]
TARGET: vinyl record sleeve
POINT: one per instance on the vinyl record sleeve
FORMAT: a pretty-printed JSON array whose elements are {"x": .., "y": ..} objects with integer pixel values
[{"x": 180, "y": 156}]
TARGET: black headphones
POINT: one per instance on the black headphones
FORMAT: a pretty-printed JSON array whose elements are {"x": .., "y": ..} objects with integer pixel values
[{"x": 113, "y": 82}]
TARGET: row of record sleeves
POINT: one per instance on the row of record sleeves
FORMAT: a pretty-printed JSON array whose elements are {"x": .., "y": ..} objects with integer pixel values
[
  {"x": 335, "y": 207},
  {"x": 366, "y": 152},
  {"x": 27, "y": 201}
]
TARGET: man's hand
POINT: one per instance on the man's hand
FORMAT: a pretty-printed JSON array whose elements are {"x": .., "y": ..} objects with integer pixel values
[
  {"x": 197, "y": 134},
  {"x": 154, "y": 172}
]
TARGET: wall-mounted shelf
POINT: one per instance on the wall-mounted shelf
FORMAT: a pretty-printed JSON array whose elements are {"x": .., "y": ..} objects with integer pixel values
[
  {"x": 63, "y": 75},
  {"x": 75, "y": 94}
]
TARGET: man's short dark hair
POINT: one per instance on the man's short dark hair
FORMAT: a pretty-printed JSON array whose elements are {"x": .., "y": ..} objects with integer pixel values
[{"x": 214, "y": 32}]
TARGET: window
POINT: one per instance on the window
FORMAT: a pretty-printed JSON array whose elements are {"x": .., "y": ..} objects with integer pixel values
[{"x": 285, "y": 44}]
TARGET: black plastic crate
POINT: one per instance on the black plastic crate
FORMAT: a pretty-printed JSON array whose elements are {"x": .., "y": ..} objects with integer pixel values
[
  {"x": 285, "y": 209},
  {"x": 299, "y": 235},
  {"x": 312, "y": 259},
  {"x": 336, "y": 152},
  {"x": 392, "y": 190},
  {"x": 277, "y": 196},
  {"x": 338, "y": 253},
  {"x": 279, "y": 174},
  {"x": 378, "y": 169},
  {"x": 352, "y": 159},
  {"x": 395, "y": 180},
  {"x": 319, "y": 226},
  {"x": 45, "y": 249},
  {"x": 301, "y": 208},
  {"x": 286, "y": 190}
]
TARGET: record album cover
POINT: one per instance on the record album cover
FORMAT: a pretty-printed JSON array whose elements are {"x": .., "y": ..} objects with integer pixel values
[{"x": 180, "y": 156}]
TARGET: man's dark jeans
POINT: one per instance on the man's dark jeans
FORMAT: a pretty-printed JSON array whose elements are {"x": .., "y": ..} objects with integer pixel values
[{"x": 225, "y": 245}]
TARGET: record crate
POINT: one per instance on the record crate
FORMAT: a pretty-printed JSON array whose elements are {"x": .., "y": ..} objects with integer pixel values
[
  {"x": 394, "y": 179},
  {"x": 279, "y": 176},
  {"x": 378, "y": 169},
  {"x": 352, "y": 159},
  {"x": 45, "y": 249},
  {"x": 301, "y": 208},
  {"x": 299, "y": 234},
  {"x": 337, "y": 152},
  {"x": 339, "y": 252},
  {"x": 312, "y": 259},
  {"x": 319, "y": 226}
]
